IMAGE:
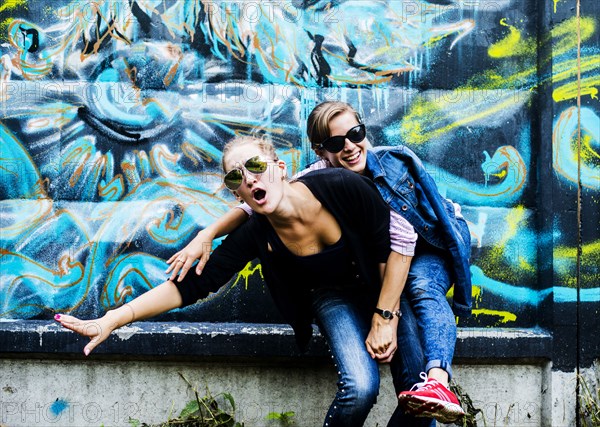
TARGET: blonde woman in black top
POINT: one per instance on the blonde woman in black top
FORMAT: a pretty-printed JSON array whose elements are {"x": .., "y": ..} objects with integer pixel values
[{"x": 330, "y": 228}]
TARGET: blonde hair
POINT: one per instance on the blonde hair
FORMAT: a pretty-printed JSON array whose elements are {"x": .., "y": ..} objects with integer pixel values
[
  {"x": 317, "y": 125},
  {"x": 265, "y": 146}
]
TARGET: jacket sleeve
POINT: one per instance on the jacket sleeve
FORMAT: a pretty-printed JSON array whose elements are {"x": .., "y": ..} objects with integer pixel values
[
  {"x": 459, "y": 248},
  {"x": 230, "y": 257}
]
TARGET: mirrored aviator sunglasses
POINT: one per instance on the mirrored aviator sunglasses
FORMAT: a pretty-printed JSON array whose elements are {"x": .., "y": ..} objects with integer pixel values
[
  {"x": 335, "y": 144},
  {"x": 234, "y": 178}
]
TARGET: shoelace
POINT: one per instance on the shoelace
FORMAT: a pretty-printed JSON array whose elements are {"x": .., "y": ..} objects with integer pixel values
[{"x": 425, "y": 384}]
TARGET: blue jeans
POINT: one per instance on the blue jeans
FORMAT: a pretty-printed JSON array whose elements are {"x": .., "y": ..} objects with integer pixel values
[
  {"x": 426, "y": 287},
  {"x": 344, "y": 319}
]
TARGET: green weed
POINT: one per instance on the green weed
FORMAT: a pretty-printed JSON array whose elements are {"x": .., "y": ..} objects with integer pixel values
[
  {"x": 469, "y": 420},
  {"x": 285, "y": 419},
  {"x": 201, "y": 412},
  {"x": 589, "y": 403}
]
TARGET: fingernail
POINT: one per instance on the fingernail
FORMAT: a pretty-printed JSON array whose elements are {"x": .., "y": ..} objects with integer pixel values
[
  {"x": 57, "y": 317},
  {"x": 86, "y": 352}
]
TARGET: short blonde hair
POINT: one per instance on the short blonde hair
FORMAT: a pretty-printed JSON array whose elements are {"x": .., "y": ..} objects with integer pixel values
[
  {"x": 265, "y": 146},
  {"x": 317, "y": 125}
]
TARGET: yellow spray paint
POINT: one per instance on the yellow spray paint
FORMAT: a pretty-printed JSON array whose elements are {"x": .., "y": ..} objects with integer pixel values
[
  {"x": 4, "y": 28},
  {"x": 413, "y": 126},
  {"x": 514, "y": 218},
  {"x": 248, "y": 271},
  {"x": 586, "y": 250},
  {"x": 588, "y": 153},
  {"x": 476, "y": 293},
  {"x": 511, "y": 45},
  {"x": 505, "y": 316},
  {"x": 555, "y": 3},
  {"x": 504, "y": 261},
  {"x": 526, "y": 266},
  {"x": 513, "y": 221},
  {"x": 428, "y": 119},
  {"x": 12, "y": 4},
  {"x": 568, "y": 69},
  {"x": 564, "y": 36},
  {"x": 426, "y": 114},
  {"x": 565, "y": 264},
  {"x": 587, "y": 86}
]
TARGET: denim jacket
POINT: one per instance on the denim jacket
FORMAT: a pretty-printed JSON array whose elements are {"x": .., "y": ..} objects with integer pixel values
[{"x": 408, "y": 188}]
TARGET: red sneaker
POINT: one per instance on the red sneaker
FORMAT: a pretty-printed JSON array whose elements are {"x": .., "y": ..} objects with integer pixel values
[{"x": 431, "y": 399}]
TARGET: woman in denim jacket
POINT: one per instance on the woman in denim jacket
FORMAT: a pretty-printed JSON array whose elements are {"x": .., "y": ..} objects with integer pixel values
[{"x": 430, "y": 239}]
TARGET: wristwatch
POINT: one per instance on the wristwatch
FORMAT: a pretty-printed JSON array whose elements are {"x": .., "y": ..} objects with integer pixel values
[{"x": 388, "y": 314}]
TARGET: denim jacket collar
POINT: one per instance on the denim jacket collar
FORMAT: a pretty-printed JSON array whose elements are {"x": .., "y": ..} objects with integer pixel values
[{"x": 374, "y": 165}]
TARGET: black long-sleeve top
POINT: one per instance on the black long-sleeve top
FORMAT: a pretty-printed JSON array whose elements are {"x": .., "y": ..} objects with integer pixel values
[{"x": 364, "y": 221}]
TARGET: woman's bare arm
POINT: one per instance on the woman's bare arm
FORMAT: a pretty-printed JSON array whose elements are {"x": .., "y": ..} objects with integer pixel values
[
  {"x": 382, "y": 341},
  {"x": 199, "y": 248},
  {"x": 156, "y": 301}
]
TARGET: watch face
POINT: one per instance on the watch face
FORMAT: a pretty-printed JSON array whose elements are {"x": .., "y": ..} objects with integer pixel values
[{"x": 386, "y": 314}]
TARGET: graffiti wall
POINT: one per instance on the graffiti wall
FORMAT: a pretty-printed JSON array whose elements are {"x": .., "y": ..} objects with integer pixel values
[{"x": 114, "y": 114}]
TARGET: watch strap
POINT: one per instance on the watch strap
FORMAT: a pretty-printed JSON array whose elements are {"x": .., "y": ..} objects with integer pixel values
[{"x": 388, "y": 314}]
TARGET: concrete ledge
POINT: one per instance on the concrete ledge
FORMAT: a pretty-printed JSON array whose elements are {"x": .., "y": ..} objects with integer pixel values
[
  {"x": 503, "y": 343},
  {"x": 169, "y": 339},
  {"x": 161, "y": 339}
]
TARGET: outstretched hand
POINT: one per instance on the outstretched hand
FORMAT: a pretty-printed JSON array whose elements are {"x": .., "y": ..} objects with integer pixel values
[
  {"x": 182, "y": 261},
  {"x": 97, "y": 330}
]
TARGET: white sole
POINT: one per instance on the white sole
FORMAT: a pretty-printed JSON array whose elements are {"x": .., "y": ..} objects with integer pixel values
[{"x": 443, "y": 411}]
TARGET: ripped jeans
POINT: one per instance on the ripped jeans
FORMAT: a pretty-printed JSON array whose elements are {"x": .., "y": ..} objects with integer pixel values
[{"x": 344, "y": 319}]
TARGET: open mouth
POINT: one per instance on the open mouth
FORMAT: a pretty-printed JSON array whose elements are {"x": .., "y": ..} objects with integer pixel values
[{"x": 259, "y": 194}]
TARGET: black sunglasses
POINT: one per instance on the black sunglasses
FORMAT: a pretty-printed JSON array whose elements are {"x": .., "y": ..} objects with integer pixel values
[
  {"x": 234, "y": 178},
  {"x": 335, "y": 144}
]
